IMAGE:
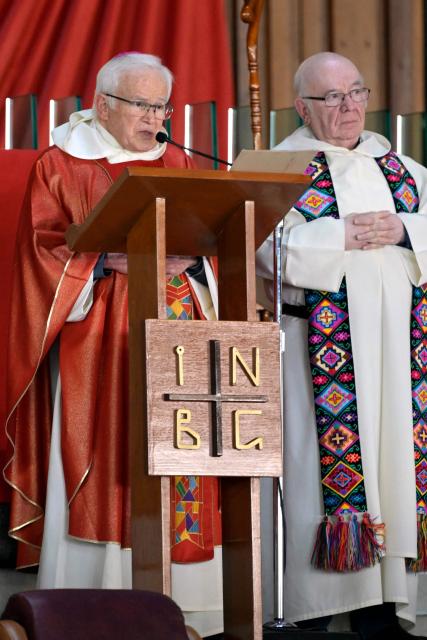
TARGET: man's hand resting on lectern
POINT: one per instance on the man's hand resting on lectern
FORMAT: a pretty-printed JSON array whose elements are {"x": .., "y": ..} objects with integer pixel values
[
  {"x": 116, "y": 262},
  {"x": 174, "y": 264},
  {"x": 178, "y": 264}
]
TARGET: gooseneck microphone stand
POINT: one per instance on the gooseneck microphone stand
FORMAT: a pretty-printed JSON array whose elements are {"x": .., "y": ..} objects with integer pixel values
[
  {"x": 163, "y": 137},
  {"x": 279, "y": 622}
]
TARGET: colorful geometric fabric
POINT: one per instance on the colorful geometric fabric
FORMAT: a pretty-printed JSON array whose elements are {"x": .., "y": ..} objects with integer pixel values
[
  {"x": 406, "y": 199},
  {"x": 338, "y": 439},
  {"x": 334, "y": 399},
  {"x": 178, "y": 299},
  {"x": 420, "y": 312},
  {"x": 195, "y": 518},
  {"x": 330, "y": 357},
  {"x": 187, "y": 509},
  {"x": 194, "y": 512},
  {"x": 316, "y": 166},
  {"x": 419, "y": 391},
  {"x": 405, "y": 196},
  {"x": 333, "y": 376},
  {"x": 420, "y": 437},
  {"x": 401, "y": 183},
  {"x": 334, "y": 385},
  {"x": 314, "y": 202},
  {"x": 327, "y": 317},
  {"x": 342, "y": 479},
  {"x": 421, "y": 475},
  {"x": 334, "y": 388}
]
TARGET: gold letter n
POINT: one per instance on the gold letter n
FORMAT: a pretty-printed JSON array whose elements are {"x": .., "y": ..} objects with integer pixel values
[{"x": 252, "y": 375}]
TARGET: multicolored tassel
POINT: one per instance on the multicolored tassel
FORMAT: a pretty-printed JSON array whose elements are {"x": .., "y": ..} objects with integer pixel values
[
  {"x": 420, "y": 564},
  {"x": 348, "y": 543}
]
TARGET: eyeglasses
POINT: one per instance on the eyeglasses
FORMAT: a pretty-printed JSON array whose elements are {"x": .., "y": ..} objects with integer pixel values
[
  {"x": 141, "y": 108},
  {"x": 335, "y": 99}
]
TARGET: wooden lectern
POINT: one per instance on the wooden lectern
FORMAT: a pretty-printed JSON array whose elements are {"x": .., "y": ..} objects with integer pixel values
[{"x": 229, "y": 424}]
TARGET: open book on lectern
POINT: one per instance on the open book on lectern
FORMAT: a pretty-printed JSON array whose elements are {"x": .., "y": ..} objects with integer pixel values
[{"x": 273, "y": 161}]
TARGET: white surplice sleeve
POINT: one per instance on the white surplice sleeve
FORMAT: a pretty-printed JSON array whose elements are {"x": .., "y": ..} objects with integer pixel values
[
  {"x": 313, "y": 254},
  {"x": 84, "y": 302}
]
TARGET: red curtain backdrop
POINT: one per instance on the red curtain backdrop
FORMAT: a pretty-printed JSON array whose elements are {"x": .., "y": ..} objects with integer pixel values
[{"x": 54, "y": 48}]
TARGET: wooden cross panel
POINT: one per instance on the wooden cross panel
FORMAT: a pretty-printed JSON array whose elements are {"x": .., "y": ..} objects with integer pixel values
[{"x": 213, "y": 398}]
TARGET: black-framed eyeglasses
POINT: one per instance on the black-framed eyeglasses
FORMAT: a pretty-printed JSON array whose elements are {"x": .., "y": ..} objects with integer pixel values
[
  {"x": 335, "y": 98},
  {"x": 140, "y": 107}
]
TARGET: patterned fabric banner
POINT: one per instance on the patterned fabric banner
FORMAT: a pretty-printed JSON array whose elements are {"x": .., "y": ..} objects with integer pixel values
[{"x": 195, "y": 516}]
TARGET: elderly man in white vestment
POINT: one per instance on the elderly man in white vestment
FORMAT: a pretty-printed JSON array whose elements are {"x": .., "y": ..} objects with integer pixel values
[{"x": 355, "y": 316}]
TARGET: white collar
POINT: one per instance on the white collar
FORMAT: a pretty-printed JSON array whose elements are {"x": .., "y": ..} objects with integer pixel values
[
  {"x": 84, "y": 137},
  {"x": 371, "y": 144}
]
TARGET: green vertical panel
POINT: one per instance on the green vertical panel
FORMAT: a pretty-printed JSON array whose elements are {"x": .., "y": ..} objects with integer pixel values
[
  {"x": 34, "y": 132},
  {"x": 214, "y": 133},
  {"x": 380, "y": 122},
  {"x": 413, "y": 136},
  {"x": 283, "y": 122},
  {"x": 242, "y": 132}
]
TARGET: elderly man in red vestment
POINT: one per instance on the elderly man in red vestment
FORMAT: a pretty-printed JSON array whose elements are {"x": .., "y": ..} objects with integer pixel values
[{"x": 68, "y": 362}]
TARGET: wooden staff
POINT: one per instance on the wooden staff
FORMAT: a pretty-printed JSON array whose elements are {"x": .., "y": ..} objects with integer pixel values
[{"x": 251, "y": 14}]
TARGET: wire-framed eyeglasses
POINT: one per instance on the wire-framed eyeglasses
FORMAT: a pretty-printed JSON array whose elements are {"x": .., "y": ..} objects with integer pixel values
[
  {"x": 335, "y": 98},
  {"x": 141, "y": 108}
]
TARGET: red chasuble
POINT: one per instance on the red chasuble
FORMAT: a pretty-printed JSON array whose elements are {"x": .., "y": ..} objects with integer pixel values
[{"x": 93, "y": 360}]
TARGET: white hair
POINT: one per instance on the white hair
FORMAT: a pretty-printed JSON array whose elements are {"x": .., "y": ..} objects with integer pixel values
[{"x": 109, "y": 75}]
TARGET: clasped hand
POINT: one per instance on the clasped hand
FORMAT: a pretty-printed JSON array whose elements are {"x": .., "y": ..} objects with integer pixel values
[
  {"x": 174, "y": 264},
  {"x": 372, "y": 230}
]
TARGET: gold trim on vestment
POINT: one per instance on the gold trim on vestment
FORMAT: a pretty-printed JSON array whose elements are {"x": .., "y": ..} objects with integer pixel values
[
  {"x": 25, "y": 524},
  {"x": 81, "y": 482},
  {"x": 11, "y": 484},
  {"x": 105, "y": 171},
  {"x": 99, "y": 541},
  {"x": 8, "y": 435},
  {"x": 30, "y": 544}
]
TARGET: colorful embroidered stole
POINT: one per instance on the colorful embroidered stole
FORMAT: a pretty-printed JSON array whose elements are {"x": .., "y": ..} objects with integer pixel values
[
  {"x": 179, "y": 303},
  {"x": 348, "y": 539},
  {"x": 194, "y": 499}
]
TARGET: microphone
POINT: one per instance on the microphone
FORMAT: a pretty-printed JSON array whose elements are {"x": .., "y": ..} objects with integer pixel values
[{"x": 161, "y": 137}]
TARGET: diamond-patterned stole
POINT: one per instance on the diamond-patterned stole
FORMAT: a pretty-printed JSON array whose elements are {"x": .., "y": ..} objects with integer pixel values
[
  {"x": 419, "y": 408},
  {"x": 179, "y": 303},
  {"x": 193, "y": 498},
  {"x": 348, "y": 539},
  {"x": 405, "y": 196}
]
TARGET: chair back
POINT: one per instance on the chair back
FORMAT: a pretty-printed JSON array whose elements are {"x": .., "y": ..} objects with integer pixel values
[{"x": 96, "y": 614}]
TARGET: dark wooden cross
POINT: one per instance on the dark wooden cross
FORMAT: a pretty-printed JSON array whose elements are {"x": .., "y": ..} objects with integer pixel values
[{"x": 215, "y": 397}]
